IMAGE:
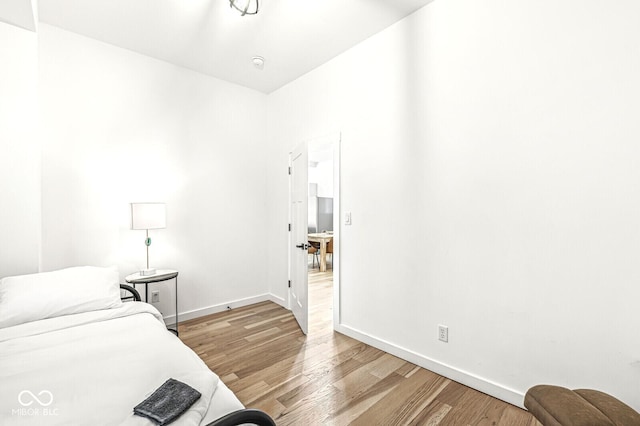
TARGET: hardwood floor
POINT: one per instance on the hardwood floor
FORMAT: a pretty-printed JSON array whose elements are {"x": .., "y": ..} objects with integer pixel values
[{"x": 327, "y": 378}]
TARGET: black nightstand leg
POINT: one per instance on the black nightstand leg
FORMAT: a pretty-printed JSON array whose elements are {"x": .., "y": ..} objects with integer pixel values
[{"x": 177, "y": 305}]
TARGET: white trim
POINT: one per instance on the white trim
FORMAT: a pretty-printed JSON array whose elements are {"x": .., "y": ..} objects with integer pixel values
[
  {"x": 337, "y": 223},
  {"x": 289, "y": 237},
  {"x": 469, "y": 379},
  {"x": 278, "y": 300},
  {"x": 197, "y": 313}
]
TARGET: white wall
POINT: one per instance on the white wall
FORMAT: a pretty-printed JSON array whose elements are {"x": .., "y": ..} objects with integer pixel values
[
  {"x": 490, "y": 145},
  {"x": 118, "y": 128},
  {"x": 322, "y": 175},
  {"x": 493, "y": 148},
  {"x": 19, "y": 152}
]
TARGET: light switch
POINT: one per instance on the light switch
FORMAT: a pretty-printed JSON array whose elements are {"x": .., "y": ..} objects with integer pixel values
[{"x": 347, "y": 218}]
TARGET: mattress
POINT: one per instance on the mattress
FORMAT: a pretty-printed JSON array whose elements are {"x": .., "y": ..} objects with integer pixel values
[{"x": 94, "y": 367}]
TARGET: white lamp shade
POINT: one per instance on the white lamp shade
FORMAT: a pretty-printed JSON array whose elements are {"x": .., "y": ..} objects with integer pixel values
[{"x": 148, "y": 216}]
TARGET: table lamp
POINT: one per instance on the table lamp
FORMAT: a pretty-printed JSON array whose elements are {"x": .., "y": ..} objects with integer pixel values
[{"x": 148, "y": 216}]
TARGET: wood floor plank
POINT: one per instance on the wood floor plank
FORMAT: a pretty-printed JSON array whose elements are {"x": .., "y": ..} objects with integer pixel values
[
  {"x": 492, "y": 415},
  {"x": 514, "y": 416},
  {"x": 313, "y": 409},
  {"x": 407, "y": 400},
  {"x": 326, "y": 378},
  {"x": 432, "y": 415},
  {"x": 359, "y": 403},
  {"x": 291, "y": 398},
  {"x": 451, "y": 394},
  {"x": 275, "y": 391},
  {"x": 469, "y": 408},
  {"x": 406, "y": 369}
]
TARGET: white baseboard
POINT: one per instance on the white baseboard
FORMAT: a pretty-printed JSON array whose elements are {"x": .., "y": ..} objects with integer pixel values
[
  {"x": 468, "y": 379},
  {"x": 170, "y": 320},
  {"x": 197, "y": 313},
  {"x": 278, "y": 300}
]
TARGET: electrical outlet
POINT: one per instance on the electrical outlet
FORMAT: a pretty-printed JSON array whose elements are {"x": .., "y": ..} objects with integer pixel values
[
  {"x": 443, "y": 333},
  {"x": 155, "y": 296}
]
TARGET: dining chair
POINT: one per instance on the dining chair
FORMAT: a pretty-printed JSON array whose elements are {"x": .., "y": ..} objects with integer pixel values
[
  {"x": 330, "y": 251},
  {"x": 314, "y": 250}
]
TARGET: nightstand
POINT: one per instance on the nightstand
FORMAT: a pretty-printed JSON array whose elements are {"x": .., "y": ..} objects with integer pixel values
[{"x": 159, "y": 276}]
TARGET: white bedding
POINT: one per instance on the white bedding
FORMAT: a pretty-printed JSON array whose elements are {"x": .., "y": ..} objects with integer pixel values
[{"x": 92, "y": 368}]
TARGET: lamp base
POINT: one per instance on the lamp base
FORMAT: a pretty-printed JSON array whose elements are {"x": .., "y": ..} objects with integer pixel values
[{"x": 147, "y": 272}]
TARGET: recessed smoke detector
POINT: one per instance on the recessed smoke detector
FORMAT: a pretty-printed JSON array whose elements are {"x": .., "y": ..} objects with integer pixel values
[{"x": 258, "y": 62}]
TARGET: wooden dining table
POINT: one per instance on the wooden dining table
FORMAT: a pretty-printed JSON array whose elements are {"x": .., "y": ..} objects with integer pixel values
[{"x": 323, "y": 238}]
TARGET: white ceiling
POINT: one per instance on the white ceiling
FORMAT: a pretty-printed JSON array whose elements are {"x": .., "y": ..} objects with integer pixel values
[
  {"x": 19, "y": 13},
  {"x": 294, "y": 36}
]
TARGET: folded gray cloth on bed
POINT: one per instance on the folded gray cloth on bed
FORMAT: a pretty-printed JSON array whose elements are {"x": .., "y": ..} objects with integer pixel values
[{"x": 168, "y": 402}]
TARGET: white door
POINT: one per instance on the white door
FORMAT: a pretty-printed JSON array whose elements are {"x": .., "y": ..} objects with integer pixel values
[{"x": 298, "y": 236}]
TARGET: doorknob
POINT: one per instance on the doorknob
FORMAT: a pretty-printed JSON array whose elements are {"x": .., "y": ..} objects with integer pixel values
[{"x": 303, "y": 246}]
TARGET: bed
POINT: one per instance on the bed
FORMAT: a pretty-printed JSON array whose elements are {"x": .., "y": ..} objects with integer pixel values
[{"x": 72, "y": 353}]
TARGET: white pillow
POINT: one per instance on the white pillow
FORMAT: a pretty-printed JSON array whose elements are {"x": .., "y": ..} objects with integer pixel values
[{"x": 33, "y": 297}]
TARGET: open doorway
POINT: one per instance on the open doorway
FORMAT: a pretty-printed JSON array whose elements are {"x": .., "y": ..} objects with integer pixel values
[
  {"x": 323, "y": 223},
  {"x": 327, "y": 234}
]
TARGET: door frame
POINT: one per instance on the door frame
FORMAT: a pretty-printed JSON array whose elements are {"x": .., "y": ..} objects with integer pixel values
[
  {"x": 335, "y": 139},
  {"x": 337, "y": 230}
]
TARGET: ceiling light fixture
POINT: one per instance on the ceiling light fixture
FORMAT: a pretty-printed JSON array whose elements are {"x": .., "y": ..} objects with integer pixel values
[
  {"x": 245, "y": 7},
  {"x": 258, "y": 62}
]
